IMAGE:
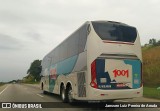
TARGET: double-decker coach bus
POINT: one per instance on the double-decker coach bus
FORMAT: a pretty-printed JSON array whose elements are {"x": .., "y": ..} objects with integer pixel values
[{"x": 101, "y": 60}]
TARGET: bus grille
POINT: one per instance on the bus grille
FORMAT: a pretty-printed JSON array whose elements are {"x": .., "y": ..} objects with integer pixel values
[{"x": 81, "y": 84}]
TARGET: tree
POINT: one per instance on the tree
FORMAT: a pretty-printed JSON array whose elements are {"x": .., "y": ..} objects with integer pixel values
[
  {"x": 158, "y": 43},
  {"x": 152, "y": 41},
  {"x": 35, "y": 69}
]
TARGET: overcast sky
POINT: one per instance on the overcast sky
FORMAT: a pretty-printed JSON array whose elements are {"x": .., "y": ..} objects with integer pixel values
[{"x": 29, "y": 29}]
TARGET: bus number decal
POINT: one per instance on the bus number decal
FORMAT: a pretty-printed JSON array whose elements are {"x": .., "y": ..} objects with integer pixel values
[{"x": 121, "y": 73}]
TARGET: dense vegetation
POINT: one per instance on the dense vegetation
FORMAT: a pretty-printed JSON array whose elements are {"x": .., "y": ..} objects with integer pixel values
[{"x": 151, "y": 63}]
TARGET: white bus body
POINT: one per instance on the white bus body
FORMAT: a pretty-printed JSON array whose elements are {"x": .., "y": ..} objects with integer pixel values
[{"x": 100, "y": 61}]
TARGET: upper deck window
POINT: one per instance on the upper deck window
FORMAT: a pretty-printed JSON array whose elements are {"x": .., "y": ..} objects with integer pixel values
[{"x": 115, "y": 31}]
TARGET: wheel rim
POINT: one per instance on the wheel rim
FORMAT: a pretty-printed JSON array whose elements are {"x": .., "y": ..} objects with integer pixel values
[{"x": 63, "y": 94}]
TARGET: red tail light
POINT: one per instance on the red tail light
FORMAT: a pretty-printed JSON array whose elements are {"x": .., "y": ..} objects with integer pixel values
[
  {"x": 141, "y": 76},
  {"x": 138, "y": 92},
  {"x": 93, "y": 75}
]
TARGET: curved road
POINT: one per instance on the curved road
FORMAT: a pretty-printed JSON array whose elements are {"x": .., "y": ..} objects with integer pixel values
[{"x": 31, "y": 93}]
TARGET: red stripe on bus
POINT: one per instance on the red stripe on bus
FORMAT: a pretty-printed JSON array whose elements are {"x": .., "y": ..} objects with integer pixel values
[{"x": 118, "y": 42}]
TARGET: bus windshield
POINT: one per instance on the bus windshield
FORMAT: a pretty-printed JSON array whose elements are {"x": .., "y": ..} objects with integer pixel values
[{"x": 115, "y": 32}]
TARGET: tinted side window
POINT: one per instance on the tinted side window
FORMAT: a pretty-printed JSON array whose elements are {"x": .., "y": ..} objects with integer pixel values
[
  {"x": 56, "y": 55},
  {"x": 46, "y": 62},
  {"x": 82, "y": 37},
  {"x": 71, "y": 46},
  {"x": 64, "y": 50}
]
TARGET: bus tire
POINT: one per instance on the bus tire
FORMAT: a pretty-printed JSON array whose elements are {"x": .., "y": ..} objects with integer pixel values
[
  {"x": 44, "y": 92},
  {"x": 42, "y": 87},
  {"x": 69, "y": 95},
  {"x": 63, "y": 94}
]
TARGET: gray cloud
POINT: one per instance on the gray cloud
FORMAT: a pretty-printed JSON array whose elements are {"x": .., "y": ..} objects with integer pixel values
[
  {"x": 9, "y": 17},
  {"x": 8, "y": 43},
  {"x": 33, "y": 35}
]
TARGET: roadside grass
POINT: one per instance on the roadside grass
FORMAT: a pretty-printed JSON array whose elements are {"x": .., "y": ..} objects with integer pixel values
[
  {"x": 151, "y": 92},
  {"x": 151, "y": 66},
  {"x": 32, "y": 82},
  {"x": 1, "y": 84}
]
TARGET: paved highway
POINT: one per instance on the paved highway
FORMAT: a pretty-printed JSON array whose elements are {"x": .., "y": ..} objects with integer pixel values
[{"x": 31, "y": 93}]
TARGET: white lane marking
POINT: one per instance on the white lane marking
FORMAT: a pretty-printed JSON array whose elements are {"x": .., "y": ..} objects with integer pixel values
[
  {"x": 3, "y": 90},
  {"x": 40, "y": 95}
]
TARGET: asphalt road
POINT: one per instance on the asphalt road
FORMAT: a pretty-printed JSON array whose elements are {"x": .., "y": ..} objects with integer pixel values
[{"x": 31, "y": 93}]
